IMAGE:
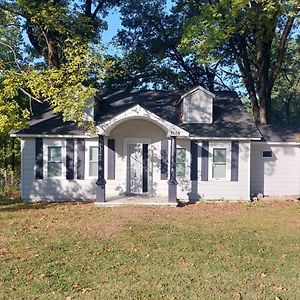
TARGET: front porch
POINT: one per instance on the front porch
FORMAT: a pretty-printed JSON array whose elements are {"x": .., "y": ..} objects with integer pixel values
[
  {"x": 137, "y": 155},
  {"x": 137, "y": 200}
]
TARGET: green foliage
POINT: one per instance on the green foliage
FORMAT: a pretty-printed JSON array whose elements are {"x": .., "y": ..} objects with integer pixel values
[
  {"x": 251, "y": 35},
  {"x": 66, "y": 89},
  {"x": 61, "y": 66},
  {"x": 9, "y": 165},
  {"x": 150, "y": 44},
  {"x": 286, "y": 95}
]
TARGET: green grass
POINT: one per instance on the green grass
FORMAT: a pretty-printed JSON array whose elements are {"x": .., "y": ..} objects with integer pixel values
[{"x": 202, "y": 251}]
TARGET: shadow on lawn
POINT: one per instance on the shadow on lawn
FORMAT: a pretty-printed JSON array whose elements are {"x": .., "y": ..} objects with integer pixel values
[{"x": 16, "y": 204}]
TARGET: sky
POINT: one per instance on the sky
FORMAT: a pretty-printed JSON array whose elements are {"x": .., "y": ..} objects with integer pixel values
[{"x": 114, "y": 24}]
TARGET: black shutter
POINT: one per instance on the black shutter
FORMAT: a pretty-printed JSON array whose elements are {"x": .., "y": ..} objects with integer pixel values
[
  {"x": 145, "y": 168},
  {"x": 194, "y": 160},
  {"x": 38, "y": 158},
  {"x": 234, "y": 161},
  {"x": 111, "y": 159},
  {"x": 80, "y": 158},
  {"x": 70, "y": 159},
  {"x": 164, "y": 160},
  {"x": 204, "y": 161}
]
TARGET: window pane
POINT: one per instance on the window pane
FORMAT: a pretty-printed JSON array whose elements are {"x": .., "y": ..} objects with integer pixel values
[
  {"x": 219, "y": 171},
  {"x": 54, "y": 154},
  {"x": 267, "y": 153},
  {"x": 219, "y": 155},
  {"x": 54, "y": 169},
  {"x": 180, "y": 153},
  {"x": 93, "y": 153},
  {"x": 93, "y": 170},
  {"x": 180, "y": 162},
  {"x": 180, "y": 170}
]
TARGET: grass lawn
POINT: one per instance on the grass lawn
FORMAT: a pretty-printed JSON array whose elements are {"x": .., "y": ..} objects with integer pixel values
[{"x": 203, "y": 251}]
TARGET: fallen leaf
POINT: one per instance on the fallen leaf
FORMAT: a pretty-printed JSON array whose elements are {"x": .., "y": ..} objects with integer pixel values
[{"x": 85, "y": 290}]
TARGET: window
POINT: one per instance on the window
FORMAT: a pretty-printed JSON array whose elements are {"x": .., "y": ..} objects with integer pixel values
[
  {"x": 219, "y": 163},
  {"x": 180, "y": 162},
  {"x": 54, "y": 162},
  {"x": 268, "y": 154},
  {"x": 93, "y": 161}
]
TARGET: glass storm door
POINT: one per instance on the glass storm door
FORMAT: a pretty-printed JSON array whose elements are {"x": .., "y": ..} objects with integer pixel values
[{"x": 137, "y": 168}]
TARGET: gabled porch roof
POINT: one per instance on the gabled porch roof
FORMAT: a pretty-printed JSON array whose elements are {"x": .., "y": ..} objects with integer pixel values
[{"x": 139, "y": 112}]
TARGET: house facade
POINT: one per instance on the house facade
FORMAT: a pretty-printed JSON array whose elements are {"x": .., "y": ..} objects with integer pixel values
[{"x": 192, "y": 146}]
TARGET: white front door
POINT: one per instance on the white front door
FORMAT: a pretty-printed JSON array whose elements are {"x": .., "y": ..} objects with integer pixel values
[{"x": 135, "y": 168}]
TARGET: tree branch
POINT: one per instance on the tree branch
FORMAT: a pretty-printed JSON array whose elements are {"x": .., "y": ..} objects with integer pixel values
[
  {"x": 232, "y": 74},
  {"x": 88, "y": 8},
  {"x": 14, "y": 53},
  {"x": 98, "y": 7},
  {"x": 29, "y": 95},
  {"x": 282, "y": 48}
]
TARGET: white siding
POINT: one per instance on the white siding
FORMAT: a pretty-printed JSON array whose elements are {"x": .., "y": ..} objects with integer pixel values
[
  {"x": 226, "y": 189},
  {"x": 197, "y": 107},
  {"x": 56, "y": 189},
  {"x": 216, "y": 189},
  {"x": 48, "y": 188},
  {"x": 276, "y": 176}
]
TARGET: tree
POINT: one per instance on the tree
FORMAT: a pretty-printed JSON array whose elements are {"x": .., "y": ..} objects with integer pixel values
[
  {"x": 48, "y": 53},
  {"x": 286, "y": 94},
  {"x": 13, "y": 113},
  {"x": 59, "y": 65},
  {"x": 252, "y": 34},
  {"x": 151, "y": 55}
]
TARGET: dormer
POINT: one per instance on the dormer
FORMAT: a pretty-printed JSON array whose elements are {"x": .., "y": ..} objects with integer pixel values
[
  {"x": 89, "y": 110},
  {"x": 197, "y": 106}
]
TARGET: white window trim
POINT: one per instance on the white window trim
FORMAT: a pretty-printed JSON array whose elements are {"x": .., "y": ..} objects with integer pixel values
[
  {"x": 212, "y": 146},
  {"x": 88, "y": 144},
  {"x": 54, "y": 143},
  {"x": 92, "y": 161},
  {"x": 186, "y": 169}
]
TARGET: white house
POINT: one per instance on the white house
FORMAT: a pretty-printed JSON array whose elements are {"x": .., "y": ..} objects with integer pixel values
[{"x": 196, "y": 145}]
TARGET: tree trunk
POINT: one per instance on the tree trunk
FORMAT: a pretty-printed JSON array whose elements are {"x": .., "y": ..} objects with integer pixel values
[
  {"x": 265, "y": 111},
  {"x": 210, "y": 74},
  {"x": 5, "y": 161},
  {"x": 53, "y": 57},
  {"x": 287, "y": 110}
]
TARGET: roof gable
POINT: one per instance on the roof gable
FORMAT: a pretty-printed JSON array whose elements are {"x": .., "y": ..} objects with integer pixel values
[{"x": 139, "y": 112}]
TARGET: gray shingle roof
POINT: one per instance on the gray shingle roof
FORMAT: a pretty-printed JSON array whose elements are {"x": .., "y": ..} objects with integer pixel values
[
  {"x": 230, "y": 120},
  {"x": 45, "y": 122},
  {"x": 230, "y": 117},
  {"x": 161, "y": 103},
  {"x": 276, "y": 133}
]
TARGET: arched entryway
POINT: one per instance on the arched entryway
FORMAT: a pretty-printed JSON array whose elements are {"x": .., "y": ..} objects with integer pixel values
[
  {"x": 138, "y": 135},
  {"x": 138, "y": 146}
]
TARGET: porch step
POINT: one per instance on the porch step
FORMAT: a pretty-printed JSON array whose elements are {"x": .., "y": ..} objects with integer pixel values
[{"x": 134, "y": 203}]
